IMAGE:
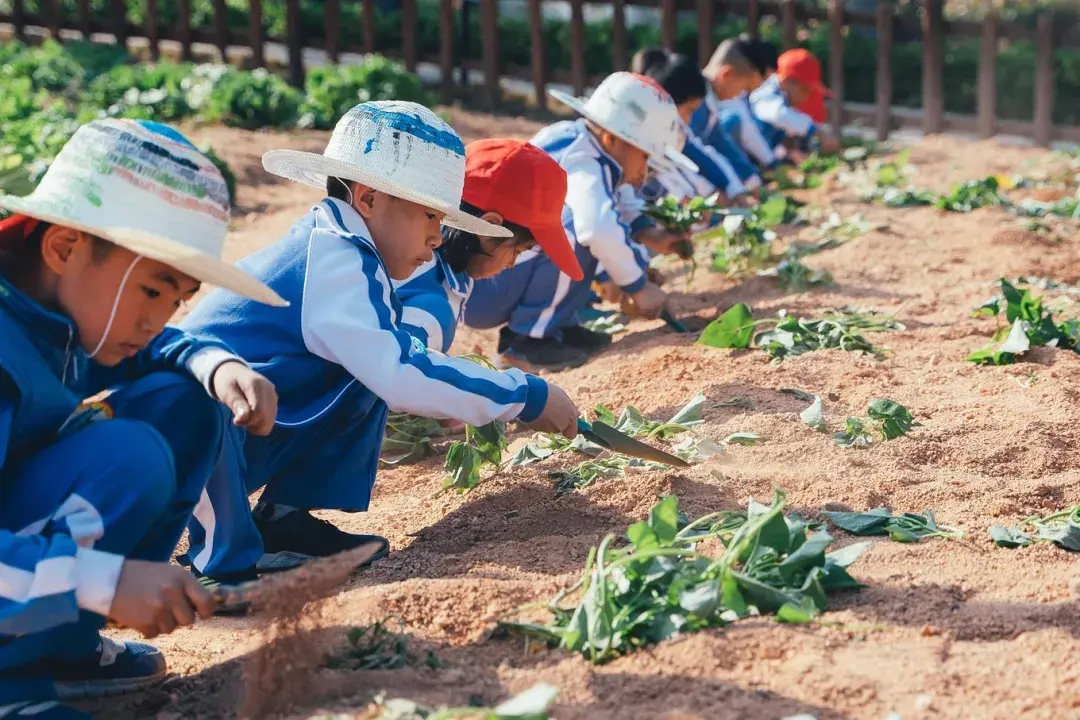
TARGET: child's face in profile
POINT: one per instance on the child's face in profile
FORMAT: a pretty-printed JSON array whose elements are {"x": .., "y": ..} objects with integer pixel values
[
  {"x": 632, "y": 160},
  {"x": 405, "y": 233},
  {"x": 86, "y": 281},
  {"x": 688, "y": 108},
  {"x": 730, "y": 83},
  {"x": 797, "y": 92}
]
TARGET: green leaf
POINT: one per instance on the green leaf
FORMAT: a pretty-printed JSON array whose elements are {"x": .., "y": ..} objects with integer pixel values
[
  {"x": 800, "y": 612},
  {"x": 847, "y": 555},
  {"x": 643, "y": 536},
  {"x": 664, "y": 519},
  {"x": 702, "y": 600},
  {"x": 1017, "y": 343},
  {"x": 747, "y": 439},
  {"x": 529, "y": 454},
  {"x": 814, "y": 416},
  {"x": 854, "y": 434},
  {"x": 810, "y": 554},
  {"x": 690, "y": 414},
  {"x": 901, "y": 534},
  {"x": 1064, "y": 535},
  {"x": 895, "y": 419},
  {"x": 1009, "y": 537},
  {"x": 733, "y": 329},
  {"x": 871, "y": 522},
  {"x": 731, "y": 597},
  {"x": 604, "y": 415}
]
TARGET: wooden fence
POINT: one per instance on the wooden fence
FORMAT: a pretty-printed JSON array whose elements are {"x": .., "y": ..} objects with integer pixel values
[{"x": 931, "y": 26}]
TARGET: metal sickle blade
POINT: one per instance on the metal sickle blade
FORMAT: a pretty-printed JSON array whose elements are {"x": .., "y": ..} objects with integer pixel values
[{"x": 621, "y": 443}]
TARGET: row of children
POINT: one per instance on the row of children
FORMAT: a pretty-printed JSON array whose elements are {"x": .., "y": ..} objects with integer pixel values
[{"x": 283, "y": 377}]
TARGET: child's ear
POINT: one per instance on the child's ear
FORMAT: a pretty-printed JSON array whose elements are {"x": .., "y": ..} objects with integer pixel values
[
  {"x": 492, "y": 217},
  {"x": 62, "y": 248},
  {"x": 364, "y": 200}
]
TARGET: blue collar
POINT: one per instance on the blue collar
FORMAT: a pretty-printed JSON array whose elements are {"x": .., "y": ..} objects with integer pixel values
[
  {"x": 457, "y": 284},
  {"x": 344, "y": 220},
  {"x": 55, "y": 329}
]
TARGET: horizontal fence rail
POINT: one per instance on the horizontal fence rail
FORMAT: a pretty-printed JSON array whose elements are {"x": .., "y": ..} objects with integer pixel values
[{"x": 924, "y": 23}]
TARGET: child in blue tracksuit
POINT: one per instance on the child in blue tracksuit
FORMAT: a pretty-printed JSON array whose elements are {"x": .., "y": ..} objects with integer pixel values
[
  {"x": 628, "y": 122},
  {"x": 510, "y": 182},
  {"x": 339, "y": 356},
  {"x": 95, "y": 494},
  {"x": 724, "y": 121},
  {"x": 775, "y": 103}
]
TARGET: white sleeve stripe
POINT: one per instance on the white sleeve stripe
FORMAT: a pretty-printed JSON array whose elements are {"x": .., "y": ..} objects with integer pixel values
[
  {"x": 51, "y": 576},
  {"x": 562, "y": 287},
  {"x": 417, "y": 317}
]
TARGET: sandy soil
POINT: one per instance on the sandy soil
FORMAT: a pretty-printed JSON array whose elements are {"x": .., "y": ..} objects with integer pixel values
[{"x": 945, "y": 629}]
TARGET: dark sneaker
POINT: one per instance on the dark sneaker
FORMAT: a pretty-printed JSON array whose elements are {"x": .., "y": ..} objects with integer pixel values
[
  {"x": 292, "y": 539},
  {"x": 113, "y": 669},
  {"x": 224, "y": 586},
  {"x": 529, "y": 353},
  {"x": 584, "y": 338},
  {"x": 50, "y": 710}
]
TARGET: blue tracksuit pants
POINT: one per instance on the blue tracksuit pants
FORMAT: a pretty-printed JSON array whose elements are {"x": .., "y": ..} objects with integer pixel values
[
  {"x": 533, "y": 297},
  {"x": 329, "y": 462},
  {"x": 140, "y": 473}
]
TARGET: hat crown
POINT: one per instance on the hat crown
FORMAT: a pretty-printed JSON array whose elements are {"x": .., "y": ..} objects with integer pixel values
[
  {"x": 639, "y": 110},
  {"x": 140, "y": 176},
  {"x": 402, "y": 143},
  {"x": 515, "y": 179}
]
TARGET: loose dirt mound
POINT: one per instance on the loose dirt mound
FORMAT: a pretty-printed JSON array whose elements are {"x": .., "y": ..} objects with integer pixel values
[{"x": 944, "y": 629}]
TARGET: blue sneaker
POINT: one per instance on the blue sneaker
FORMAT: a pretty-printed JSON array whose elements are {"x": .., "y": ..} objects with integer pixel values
[
  {"x": 113, "y": 669},
  {"x": 50, "y": 710}
]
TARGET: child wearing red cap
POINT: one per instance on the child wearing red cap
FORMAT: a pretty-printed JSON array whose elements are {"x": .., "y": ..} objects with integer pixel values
[
  {"x": 775, "y": 104},
  {"x": 509, "y": 183}
]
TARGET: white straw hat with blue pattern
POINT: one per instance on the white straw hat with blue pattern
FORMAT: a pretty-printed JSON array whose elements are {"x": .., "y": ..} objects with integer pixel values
[
  {"x": 399, "y": 148},
  {"x": 143, "y": 186}
]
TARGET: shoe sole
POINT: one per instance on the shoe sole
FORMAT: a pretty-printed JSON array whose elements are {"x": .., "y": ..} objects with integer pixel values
[
  {"x": 89, "y": 689},
  {"x": 508, "y": 360}
]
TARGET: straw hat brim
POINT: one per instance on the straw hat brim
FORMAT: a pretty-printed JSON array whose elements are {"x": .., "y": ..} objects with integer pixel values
[
  {"x": 313, "y": 169},
  {"x": 672, "y": 156},
  {"x": 186, "y": 259}
]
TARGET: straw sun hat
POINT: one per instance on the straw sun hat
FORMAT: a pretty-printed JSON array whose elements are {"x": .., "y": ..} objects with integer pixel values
[
  {"x": 400, "y": 148},
  {"x": 145, "y": 187},
  {"x": 636, "y": 109}
]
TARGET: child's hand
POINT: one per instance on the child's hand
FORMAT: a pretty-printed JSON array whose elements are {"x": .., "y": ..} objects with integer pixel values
[
  {"x": 155, "y": 598},
  {"x": 648, "y": 302},
  {"x": 560, "y": 415},
  {"x": 660, "y": 240},
  {"x": 829, "y": 145},
  {"x": 610, "y": 292},
  {"x": 251, "y": 397}
]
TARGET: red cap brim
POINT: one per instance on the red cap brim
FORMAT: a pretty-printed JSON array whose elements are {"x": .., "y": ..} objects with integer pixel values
[
  {"x": 16, "y": 229},
  {"x": 556, "y": 245}
]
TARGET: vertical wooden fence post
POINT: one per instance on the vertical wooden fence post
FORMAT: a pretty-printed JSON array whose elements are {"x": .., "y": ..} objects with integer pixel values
[
  {"x": 489, "y": 22},
  {"x": 753, "y": 17},
  {"x": 987, "y": 88},
  {"x": 620, "y": 59},
  {"x": 221, "y": 28},
  {"x": 577, "y": 46},
  {"x": 788, "y": 22},
  {"x": 18, "y": 17},
  {"x": 332, "y": 29},
  {"x": 836, "y": 65},
  {"x": 885, "y": 12},
  {"x": 669, "y": 29},
  {"x": 1044, "y": 77},
  {"x": 933, "y": 23},
  {"x": 53, "y": 18},
  {"x": 536, "y": 41},
  {"x": 119, "y": 22},
  {"x": 294, "y": 40},
  {"x": 152, "y": 30},
  {"x": 369, "y": 26},
  {"x": 255, "y": 33},
  {"x": 705, "y": 46},
  {"x": 408, "y": 33},
  {"x": 183, "y": 30},
  {"x": 84, "y": 17},
  {"x": 446, "y": 48}
]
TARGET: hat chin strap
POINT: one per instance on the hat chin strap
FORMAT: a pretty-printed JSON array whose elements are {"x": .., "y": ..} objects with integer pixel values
[{"x": 115, "y": 305}]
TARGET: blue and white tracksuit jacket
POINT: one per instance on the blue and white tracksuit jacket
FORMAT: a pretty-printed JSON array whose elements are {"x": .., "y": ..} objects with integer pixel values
[
  {"x": 339, "y": 359},
  {"x": 738, "y": 120},
  {"x": 715, "y": 172},
  {"x": 533, "y": 296},
  {"x": 433, "y": 302},
  {"x": 707, "y": 125},
  {"x": 777, "y": 119},
  {"x": 85, "y": 485}
]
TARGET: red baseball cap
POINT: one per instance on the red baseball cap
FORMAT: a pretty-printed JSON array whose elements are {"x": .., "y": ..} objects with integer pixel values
[
  {"x": 801, "y": 65},
  {"x": 815, "y": 107},
  {"x": 527, "y": 187},
  {"x": 16, "y": 229}
]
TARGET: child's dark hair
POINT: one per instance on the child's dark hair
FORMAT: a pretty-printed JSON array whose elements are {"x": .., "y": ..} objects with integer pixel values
[
  {"x": 460, "y": 247},
  {"x": 338, "y": 189},
  {"x": 682, "y": 78},
  {"x": 761, "y": 53},
  {"x": 733, "y": 52},
  {"x": 647, "y": 60}
]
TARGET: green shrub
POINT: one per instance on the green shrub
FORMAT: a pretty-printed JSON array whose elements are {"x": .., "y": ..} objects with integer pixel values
[
  {"x": 332, "y": 91},
  {"x": 252, "y": 100},
  {"x": 146, "y": 92}
]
